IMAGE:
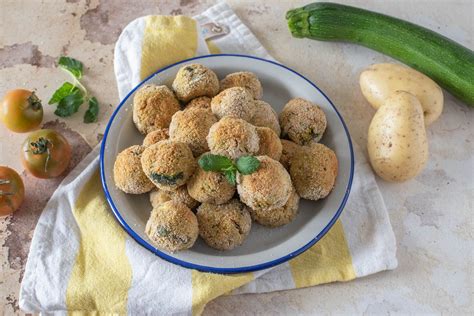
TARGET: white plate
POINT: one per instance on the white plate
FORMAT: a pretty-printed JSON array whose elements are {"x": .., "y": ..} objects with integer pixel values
[{"x": 264, "y": 247}]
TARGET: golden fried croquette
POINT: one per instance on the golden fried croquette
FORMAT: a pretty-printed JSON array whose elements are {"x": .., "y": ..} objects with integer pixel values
[
  {"x": 168, "y": 164},
  {"x": 153, "y": 107},
  {"x": 172, "y": 226},
  {"x": 224, "y": 226},
  {"x": 270, "y": 144},
  {"x": 235, "y": 102},
  {"x": 289, "y": 149},
  {"x": 199, "y": 102},
  {"x": 302, "y": 121},
  {"x": 265, "y": 116},
  {"x": 180, "y": 194},
  {"x": 195, "y": 80},
  {"x": 244, "y": 79},
  {"x": 233, "y": 138},
  {"x": 156, "y": 136},
  {"x": 278, "y": 216},
  {"x": 314, "y": 171},
  {"x": 128, "y": 174},
  {"x": 267, "y": 188},
  {"x": 192, "y": 127},
  {"x": 210, "y": 187}
]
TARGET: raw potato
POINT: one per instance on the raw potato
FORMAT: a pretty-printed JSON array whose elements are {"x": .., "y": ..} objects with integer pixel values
[
  {"x": 397, "y": 144},
  {"x": 379, "y": 81}
]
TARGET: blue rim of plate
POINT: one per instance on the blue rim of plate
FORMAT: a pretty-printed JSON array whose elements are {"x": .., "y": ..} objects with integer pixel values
[{"x": 189, "y": 265}]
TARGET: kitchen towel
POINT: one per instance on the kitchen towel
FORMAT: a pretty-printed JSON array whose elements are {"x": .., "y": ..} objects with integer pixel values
[{"x": 81, "y": 260}]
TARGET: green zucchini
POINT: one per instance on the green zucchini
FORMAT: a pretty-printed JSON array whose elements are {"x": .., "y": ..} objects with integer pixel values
[{"x": 448, "y": 63}]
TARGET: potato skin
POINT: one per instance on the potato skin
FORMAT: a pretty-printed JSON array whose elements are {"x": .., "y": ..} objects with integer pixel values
[
  {"x": 397, "y": 143},
  {"x": 379, "y": 81}
]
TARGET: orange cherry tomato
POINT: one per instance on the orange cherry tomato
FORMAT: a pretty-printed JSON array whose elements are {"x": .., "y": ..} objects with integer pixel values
[
  {"x": 21, "y": 111},
  {"x": 46, "y": 153},
  {"x": 12, "y": 191}
]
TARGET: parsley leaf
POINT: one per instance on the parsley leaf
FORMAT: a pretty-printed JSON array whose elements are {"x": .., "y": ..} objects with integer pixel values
[
  {"x": 247, "y": 164},
  {"x": 71, "y": 65},
  {"x": 92, "y": 112},
  {"x": 66, "y": 89},
  {"x": 210, "y": 162},
  {"x": 70, "y": 104}
]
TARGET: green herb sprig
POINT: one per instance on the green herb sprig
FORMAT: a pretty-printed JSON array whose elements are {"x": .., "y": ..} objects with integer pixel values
[
  {"x": 70, "y": 96},
  {"x": 244, "y": 165}
]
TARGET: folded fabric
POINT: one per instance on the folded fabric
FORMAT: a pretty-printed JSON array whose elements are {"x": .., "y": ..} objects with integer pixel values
[{"x": 82, "y": 260}]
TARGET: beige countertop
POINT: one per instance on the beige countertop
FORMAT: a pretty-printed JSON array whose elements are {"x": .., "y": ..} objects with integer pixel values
[{"x": 432, "y": 216}]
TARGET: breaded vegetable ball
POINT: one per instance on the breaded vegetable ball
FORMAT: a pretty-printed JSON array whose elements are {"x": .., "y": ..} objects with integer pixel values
[
  {"x": 289, "y": 149},
  {"x": 265, "y": 116},
  {"x": 244, "y": 79},
  {"x": 224, "y": 226},
  {"x": 168, "y": 164},
  {"x": 270, "y": 144},
  {"x": 278, "y": 216},
  {"x": 314, "y": 171},
  {"x": 191, "y": 127},
  {"x": 128, "y": 174},
  {"x": 181, "y": 194},
  {"x": 302, "y": 121},
  {"x": 210, "y": 187},
  {"x": 201, "y": 102},
  {"x": 156, "y": 136},
  {"x": 172, "y": 226},
  {"x": 153, "y": 107},
  {"x": 267, "y": 188},
  {"x": 195, "y": 80},
  {"x": 233, "y": 138},
  {"x": 236, "y": 102}
]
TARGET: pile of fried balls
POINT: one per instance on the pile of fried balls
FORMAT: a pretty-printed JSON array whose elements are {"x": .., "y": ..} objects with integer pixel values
[{"x": 201, "y": 115}]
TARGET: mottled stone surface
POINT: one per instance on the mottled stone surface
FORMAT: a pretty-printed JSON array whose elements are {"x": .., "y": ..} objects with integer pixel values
[{"x": 432, "y": 216}]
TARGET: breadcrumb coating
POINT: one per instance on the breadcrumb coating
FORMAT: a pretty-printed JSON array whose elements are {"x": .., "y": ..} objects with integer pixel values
[
  {"x": 278, "y": 216},
  {"x": 244, "y": 79},
  {"x": 172, "y": 226},
  {"x": 270, "y": 144},
  {"x": 302, "y": 121},
  {"x": 200, "y": 102},
  {"x": 195, "y": 80},
  {"x": 128, "y": 174},
  {"x": 233, "y": 138},
  {"x": 314, "y": 171},
  {"x": 235, "y": 102},
  {"x": 181, "y": 194},
  {"x": 192, "y": 127},
  {"x": 224, "y": 226},
  {"x": 265, "y": 116},
  {"x": 156, "y": 136},
  {"x": 168, "y": 164},
  {"x": 289, "y": 149},
  {"x": 153, "y": 107},
  {"x": 210, "y": 187},
  {"x": 267, "y": 188}
]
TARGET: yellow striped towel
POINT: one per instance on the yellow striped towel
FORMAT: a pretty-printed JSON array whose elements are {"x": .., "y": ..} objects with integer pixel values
[{"x": 82, "y": 261}]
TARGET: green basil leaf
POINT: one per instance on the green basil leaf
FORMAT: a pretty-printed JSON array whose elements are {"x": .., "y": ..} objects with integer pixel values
[
  {"x": 210, "y": 162},
  {"x": 72, "y": 65},
  {"x": 92, "y": 112},
  {"x": 66, "y": 89},
  {"x": 247, "y": 164},
  {"x": 230, "y": 175},
  {"x": 69, "y": 104}
]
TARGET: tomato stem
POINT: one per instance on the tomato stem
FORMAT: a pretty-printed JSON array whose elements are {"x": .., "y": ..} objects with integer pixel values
[
  {"x": 34, "y": 102},
  {"x": 40, "y": 147}
]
